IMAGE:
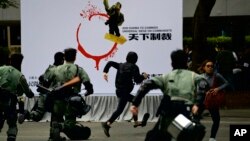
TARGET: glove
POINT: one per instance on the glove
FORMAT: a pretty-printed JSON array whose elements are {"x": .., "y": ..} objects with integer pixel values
[
  {"x": 89, "y": 88},
  {"x": 107, "y": 22},
  {"x": 89, "y": 92},
  {"x": 30, "y": 94}
]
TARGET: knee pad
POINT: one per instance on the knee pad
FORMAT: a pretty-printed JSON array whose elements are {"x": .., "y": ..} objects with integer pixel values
[
  {"x": 37, "y": 115},
  {"x": 78, "y": 132}
]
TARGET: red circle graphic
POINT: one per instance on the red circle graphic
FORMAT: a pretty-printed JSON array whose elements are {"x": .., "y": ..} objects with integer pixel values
[{"x": 96, "y": 58}]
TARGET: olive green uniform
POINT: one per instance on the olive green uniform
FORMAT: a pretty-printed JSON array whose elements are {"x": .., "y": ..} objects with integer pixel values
[
  {"x": 182, "y": 89},
  {"x": 182, "y": 85},
  {"x": 13, "y": 84},
  {"x": 39, "y": 110},
  {"x": 62, "y": 74}
]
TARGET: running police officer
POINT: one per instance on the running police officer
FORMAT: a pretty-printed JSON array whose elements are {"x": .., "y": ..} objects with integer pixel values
[
  {"x": 12, "y": 85},
  {"x": 61, "y": 106},
  {"x": 39, "y": 109},
  {"x": 184, "y": 93}
]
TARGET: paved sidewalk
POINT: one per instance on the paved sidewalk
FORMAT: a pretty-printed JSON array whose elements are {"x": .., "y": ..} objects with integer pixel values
[
  {"x": 241, "y": 113},
  {"x": 124, "y": 131}
]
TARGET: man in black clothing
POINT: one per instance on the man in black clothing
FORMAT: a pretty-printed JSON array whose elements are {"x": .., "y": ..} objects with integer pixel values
[{"x": 127, "y": 74}]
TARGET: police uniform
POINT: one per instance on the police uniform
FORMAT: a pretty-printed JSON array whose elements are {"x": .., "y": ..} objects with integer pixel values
[
  {"x": 62, "y": 74},
  {"x": 13, "y": 84},
  {"x": 40, "y": 108},
  {"x": 182, "y": 89},
  {"x": 42, "y": 104}
]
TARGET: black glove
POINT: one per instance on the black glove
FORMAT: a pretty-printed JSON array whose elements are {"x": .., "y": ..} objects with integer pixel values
[
  {"x": 41, "y": 79},
  {"x": 107, "y": 22},
  {"x": 30, "y": 94},
  {"x": 88, "y": 92},
  {"x": 89, "y": 88}
]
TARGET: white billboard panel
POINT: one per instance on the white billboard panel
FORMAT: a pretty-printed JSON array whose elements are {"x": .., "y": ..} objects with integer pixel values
[{"x": 152, "y": 29}]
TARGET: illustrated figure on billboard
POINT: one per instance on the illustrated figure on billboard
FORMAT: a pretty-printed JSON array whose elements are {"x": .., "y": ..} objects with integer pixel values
[{"x": 116, "y": 18}]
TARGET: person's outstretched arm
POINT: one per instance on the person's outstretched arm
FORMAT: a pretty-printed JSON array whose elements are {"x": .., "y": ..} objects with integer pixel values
[
  {"x": 107, "y": 67},
  {"x": 25, "y": 87},
  {"x": 143, "y": 90},
  {"x": 106, "y": 5}
]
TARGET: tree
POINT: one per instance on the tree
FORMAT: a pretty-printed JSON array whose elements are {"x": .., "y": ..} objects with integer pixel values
[
  {"x": 200, "y": 48},
  {"x": 8, "y": 3}
]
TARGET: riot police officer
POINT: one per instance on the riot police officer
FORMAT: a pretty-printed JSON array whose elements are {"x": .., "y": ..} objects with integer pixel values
[
  {"x": 39, "y": 109},
  {"x": 12, "y": 84},
  {"x": 61, "y": 107},
  {"x": 16, "y": 62},
  {"x": 184, "y": 93}
]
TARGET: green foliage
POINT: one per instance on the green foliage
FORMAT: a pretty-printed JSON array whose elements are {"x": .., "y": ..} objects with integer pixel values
[
  {"x": 212, "y": 41},
  {"x": 8, "y": 3},
  {"x": 187, "y": 40},
  {"x": 219, "y": 39},
  {"x": 216, "y": 42},
  {"x": 247, "y": 39}
]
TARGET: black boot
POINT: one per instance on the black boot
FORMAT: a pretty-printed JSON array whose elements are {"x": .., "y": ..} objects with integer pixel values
[
  {"x": 106, "y": 128},
  {"x": 23, "y": 116},
  {"x": 55, "y": 132},
  {"x": 11, "y": 138}
]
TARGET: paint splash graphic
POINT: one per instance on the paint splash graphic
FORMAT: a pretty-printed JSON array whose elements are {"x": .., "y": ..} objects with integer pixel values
[{"x": 93, "y": 12}]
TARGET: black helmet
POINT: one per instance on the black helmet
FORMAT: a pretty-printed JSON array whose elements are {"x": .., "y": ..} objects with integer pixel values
[{"x": 58, "y": 58}]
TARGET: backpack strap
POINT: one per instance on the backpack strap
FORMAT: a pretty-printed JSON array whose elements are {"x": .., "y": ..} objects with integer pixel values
[{"x": 77, "y": 70}]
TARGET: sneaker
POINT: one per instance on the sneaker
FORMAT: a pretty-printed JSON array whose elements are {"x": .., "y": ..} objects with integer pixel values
[
  {"x": 212, "y": 139},
  {"x": 106, "y": 128},
  {"x": 137, "y": 124},
  {"x": 23, "y": 116},
  {"x": 55, "y": 132},
  {"x": 129, "y": 120},
  {"x": 144, "y": 121}
]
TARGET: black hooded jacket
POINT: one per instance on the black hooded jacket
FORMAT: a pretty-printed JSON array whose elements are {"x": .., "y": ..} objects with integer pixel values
[{"x": 127, "y": 74}]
